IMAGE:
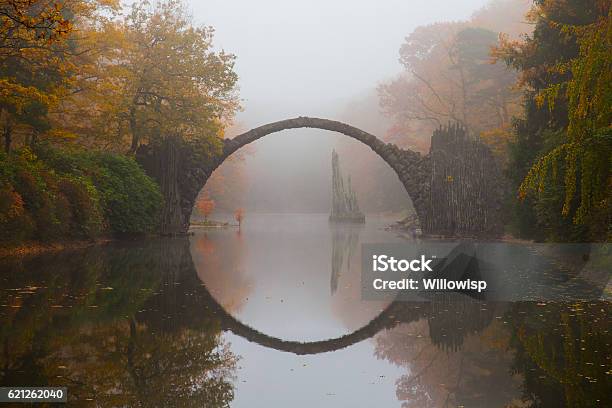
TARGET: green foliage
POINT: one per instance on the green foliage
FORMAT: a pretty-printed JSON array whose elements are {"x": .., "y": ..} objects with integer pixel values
[
  {"x": 15, "y": 224},
  {"x": 44, "y": 205},
  {"x": 86, "y": 73},
  {"x": 131, "y": 199},
  {"x": 51, "y": 194},
  {"x": 560, "y": 161},
  {"x": 587, "y": 150},
  {"x": 561, "y": 367}
]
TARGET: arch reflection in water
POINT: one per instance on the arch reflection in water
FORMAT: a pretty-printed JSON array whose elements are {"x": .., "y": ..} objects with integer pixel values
[
  {"x": 133, "y": 325},
  {"x": 459, "y": 351}
]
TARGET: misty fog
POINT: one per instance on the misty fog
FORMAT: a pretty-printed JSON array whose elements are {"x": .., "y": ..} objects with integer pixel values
[{"x": 322, "y": 59}]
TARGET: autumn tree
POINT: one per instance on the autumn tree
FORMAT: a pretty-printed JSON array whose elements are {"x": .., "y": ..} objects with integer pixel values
[
  {"x": 87, "y": 113},
  {"x": 42, "y": 46},
  {"x": 228, "y": 184},
  {"x": 561, "y": 158},
  {"x": 172, "y": 81},
  {"x": 449, "y": 76},
  {"x": 205, "y": 205},
  {"x": 239, "y": 216},
  {"x": 586, "y": 151},
  {"x": 32, "y": 45},
  {"x": 153, "y": 74},
  {"x": 420, "y": 100}
]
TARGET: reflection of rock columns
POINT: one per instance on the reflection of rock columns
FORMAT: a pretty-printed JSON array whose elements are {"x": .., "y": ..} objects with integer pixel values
[{"x": 344, "y": 244}]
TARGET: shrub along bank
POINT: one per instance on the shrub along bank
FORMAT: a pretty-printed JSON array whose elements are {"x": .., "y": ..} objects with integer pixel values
[{"x": 48, "y": 194}]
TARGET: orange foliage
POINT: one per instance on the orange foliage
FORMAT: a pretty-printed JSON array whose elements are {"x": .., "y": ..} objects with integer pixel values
[
  {"x": 239, "y": 215},
  {"x": 450, "y": 76},
  {"x": 205, "y": 206},
  {"x": 228, "y": 183}
]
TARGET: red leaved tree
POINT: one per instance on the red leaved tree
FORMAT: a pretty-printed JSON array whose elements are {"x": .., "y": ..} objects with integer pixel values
[
  {"x": 239, "y": 216},
  {"x": 205, "y": 206}
]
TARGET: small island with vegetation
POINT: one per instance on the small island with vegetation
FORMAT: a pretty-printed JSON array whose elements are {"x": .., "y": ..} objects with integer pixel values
[{"x": 204, "y": 208}]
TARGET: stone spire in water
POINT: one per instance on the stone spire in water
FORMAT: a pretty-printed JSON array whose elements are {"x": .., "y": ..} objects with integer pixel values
[{"x": 344, "y": 199}]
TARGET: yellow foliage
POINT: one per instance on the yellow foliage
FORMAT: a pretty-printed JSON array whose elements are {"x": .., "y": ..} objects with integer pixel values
[
  {"x": 498, "y": 140},
  {"x": 587, "y": 151}
]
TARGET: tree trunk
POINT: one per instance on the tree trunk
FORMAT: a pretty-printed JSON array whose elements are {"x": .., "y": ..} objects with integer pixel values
[
  {"x": 134, "y": 131},
  {"x": 8, "y": 138},
  {"x": 169, "y": 159},
  {"x": 34, "y": 138}
]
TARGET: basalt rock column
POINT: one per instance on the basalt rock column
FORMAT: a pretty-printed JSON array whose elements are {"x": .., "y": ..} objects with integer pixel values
[
  {"x": 344, "y": 200},
  {"x": 465, "y": 186}
]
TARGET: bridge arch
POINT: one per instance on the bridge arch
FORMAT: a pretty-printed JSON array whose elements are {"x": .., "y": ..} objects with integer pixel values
[
  {"x": 411, "y": 167},
  {"x": 455, "y": 189}
]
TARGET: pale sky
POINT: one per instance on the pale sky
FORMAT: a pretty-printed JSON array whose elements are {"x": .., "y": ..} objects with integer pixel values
[{"x": 305, "y": 57}]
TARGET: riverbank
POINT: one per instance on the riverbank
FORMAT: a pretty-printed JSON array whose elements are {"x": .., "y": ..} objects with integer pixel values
[
  {"x": 412, "y": 234},
  {"x": 36, "y": 248},
  {"x": 50, "y": 195},
  {"x": 211, "y": 224},
  {"x": 409, "y": 228}
]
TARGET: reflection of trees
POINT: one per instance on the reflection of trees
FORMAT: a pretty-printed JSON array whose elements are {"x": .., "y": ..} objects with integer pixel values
[
  {"x": 563, "y": 353},
  {"x": 478, "y": 355},
  {"x": 189, "y": 368},
  {"x": 345, "y": 238},
  {"x": 134, "y": 327},
  {"x": 456, "y": 355},
  {"x": 451, "y": 318},
  {"x": 130, "y": 364},
  {"x": 121, "y": 326},
  {"x": 218, "y": 260}
]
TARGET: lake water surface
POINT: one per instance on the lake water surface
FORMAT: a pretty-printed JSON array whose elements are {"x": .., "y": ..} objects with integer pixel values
[{"x": 271, "y": 315}]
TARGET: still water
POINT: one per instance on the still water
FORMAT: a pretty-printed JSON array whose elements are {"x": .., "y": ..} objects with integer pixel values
[{"x": 271, "y": 316}]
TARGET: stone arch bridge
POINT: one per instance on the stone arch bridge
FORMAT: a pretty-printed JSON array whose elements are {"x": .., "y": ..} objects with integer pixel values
[{"x": 455, "y": 188}]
